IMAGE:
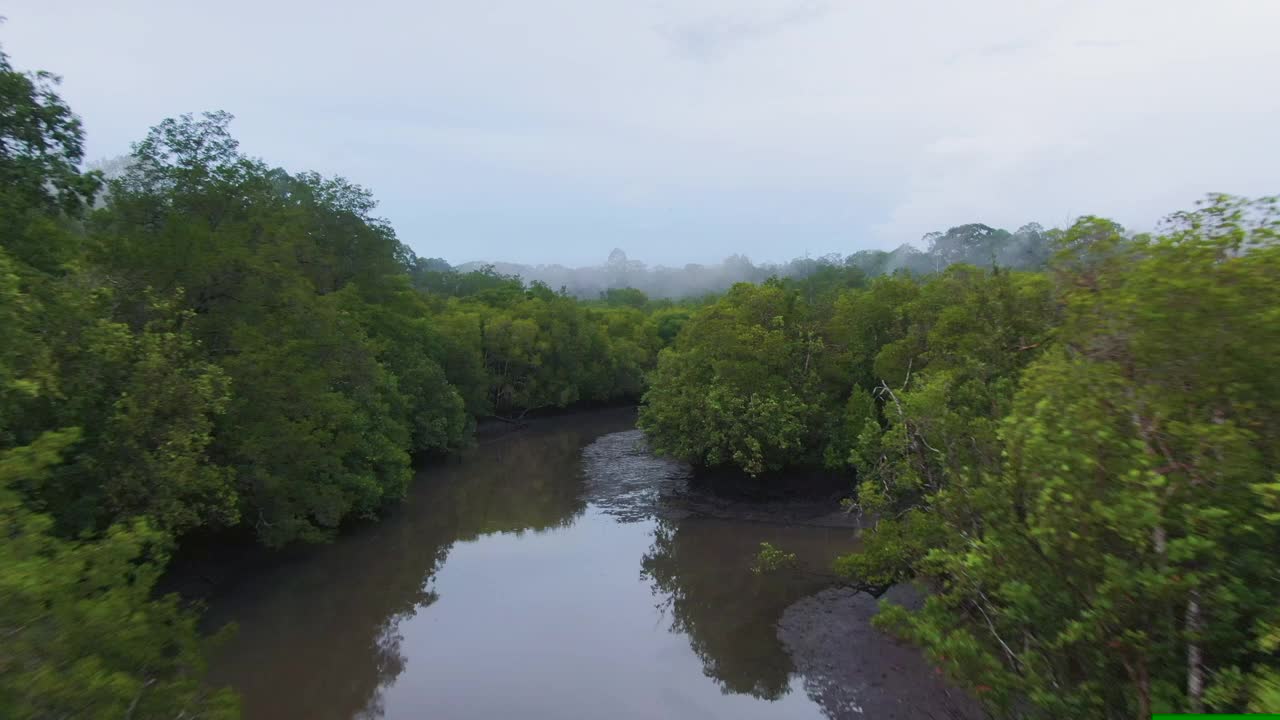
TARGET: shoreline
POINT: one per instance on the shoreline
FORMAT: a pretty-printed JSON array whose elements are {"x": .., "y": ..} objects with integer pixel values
[
  {"x": 204, "y": 564},
  {"x": 854, "y": 670}
]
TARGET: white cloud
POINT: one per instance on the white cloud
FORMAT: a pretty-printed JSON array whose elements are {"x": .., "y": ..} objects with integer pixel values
[{"x": 918, "y": 114}]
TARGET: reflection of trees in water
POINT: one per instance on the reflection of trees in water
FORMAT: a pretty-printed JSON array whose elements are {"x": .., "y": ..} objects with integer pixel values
[
  {"x": 319, "y": 637},
  {"x": 527, "y": 482},
  {"x": 388, "y": 663},
  {"x": 700, "y": 569}
]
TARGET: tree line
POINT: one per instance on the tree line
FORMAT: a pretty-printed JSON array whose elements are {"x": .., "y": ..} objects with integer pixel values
[
  {"x": 207, "y": 343},
  {"x": 973, "y": 243},
  {"x": 1077, "y": 464}
]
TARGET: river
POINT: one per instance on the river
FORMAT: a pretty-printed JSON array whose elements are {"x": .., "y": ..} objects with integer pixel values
[{"x": 561, "y": 571}]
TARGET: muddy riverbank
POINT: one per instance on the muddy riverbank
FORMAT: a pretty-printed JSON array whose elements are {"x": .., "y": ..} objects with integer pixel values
[
  {"x": 854, "y": 670},
  {"x": 561, "y": 571}
]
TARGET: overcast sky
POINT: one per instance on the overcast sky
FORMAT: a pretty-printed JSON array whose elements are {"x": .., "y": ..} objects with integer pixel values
[{"x": 685, "y": 130}]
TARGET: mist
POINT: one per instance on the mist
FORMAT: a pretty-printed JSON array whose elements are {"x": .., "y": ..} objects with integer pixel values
[{"x": 975, "y": 243}]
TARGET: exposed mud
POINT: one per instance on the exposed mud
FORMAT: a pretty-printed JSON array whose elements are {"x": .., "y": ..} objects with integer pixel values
[
  {"x": 849, "y": 668},
  {"x": 631, "y": 483},
  {"x": 853, "y": 670}
]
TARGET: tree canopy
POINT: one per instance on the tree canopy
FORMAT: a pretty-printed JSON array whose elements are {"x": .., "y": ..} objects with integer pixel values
[
  {"x": 1079, "y": 463},
  {"x": 211, "y": 343}
]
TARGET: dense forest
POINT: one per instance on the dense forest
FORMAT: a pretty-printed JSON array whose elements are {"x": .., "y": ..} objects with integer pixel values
[
  {"x": 1068, "y": 436},
  {"x": 1079, "y": 463}
]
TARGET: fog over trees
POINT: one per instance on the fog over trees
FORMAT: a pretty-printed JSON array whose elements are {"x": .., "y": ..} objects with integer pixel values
[{"x": 973, "y": 243}]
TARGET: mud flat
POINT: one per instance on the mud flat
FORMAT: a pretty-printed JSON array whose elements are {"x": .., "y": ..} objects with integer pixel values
[{"x": 853, "y": 670}]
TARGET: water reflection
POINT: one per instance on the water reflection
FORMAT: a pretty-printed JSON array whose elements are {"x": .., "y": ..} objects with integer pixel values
[
  {"x": 700, "y": 571},
  {"x": 388, "y": 664},
  {"x": 698, "y": 565},
  {"x": 319, "y": 636},
  {"x": 530, "y": 481},
  {"x": 506, "y": 586}
]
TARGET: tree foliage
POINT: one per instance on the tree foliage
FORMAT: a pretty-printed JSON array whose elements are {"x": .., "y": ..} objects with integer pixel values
[
  {"x": 215, "y": 343},
  {"x": 1128, "y": 529},
  {"x": 741, "y": 386},
  {"x": 84, "y": 635},
  {"x": 1080, "y": 463}
]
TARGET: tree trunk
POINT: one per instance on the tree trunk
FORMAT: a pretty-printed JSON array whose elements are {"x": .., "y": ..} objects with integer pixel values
[
  {"x": 1144, "y": 691},
  {"x": 1195, "y": 660}
]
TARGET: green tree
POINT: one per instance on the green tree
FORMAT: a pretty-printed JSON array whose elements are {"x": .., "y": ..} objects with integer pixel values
[
  {"x": 1128, "y": 532},
  {"x": 148, "y": 400},
  {"x": 741, "y": 386},
  {"x": 299, "y": 292},
  {"x": 42, "y": 148},
  {"x": 84, "y": 635}
]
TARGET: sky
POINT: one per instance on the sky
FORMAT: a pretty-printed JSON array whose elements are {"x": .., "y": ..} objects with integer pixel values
[{"x": 552, "y": 131}]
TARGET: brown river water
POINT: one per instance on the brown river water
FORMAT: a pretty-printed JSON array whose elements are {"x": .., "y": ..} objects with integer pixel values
[{"x": 563, "y": 571}]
